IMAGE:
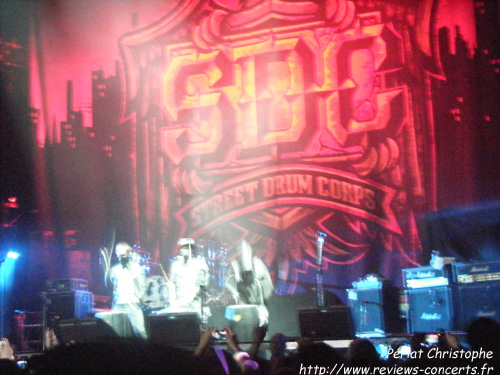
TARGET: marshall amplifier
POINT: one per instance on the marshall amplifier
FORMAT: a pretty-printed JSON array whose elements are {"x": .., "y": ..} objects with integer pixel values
[
  {"x": 475, "y": 272},
  {"x": 425, "y": 277},
  {"x": 475, "y": 301},
  {"x": 430, "y": 309}
]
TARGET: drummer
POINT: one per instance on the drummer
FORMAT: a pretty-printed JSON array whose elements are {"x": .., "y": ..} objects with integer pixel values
[{"x": 190, "y": 275}]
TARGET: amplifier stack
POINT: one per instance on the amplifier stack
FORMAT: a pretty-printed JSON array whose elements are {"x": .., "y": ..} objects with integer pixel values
[
  {"x": 450, "y": 298},
  {"x": 429, "y": 297},
  {"x": 374, "y": 304},
  {"x": 67, "y": 299},
  {"x": 476, "y": 291}
]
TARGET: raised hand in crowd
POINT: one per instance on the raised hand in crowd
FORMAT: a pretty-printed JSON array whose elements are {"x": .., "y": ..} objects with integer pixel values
[
  {"x": 51, "y": 340},
  {"x": 232, "y": 340},
  {"x": 450, "y": 341},
  {"x": 206, "y": 341},
  {"x": 6, "y": 351},
  {"x": 259, "y": 334}
]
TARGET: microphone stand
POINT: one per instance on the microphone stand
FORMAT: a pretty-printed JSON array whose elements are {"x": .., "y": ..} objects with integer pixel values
[
  {"x": 320, "y": 295},
  {"x": 2, "y": 310}
]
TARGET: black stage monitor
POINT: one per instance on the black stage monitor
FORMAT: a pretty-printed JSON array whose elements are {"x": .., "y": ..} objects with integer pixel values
[{"x": 326, "y": 323}]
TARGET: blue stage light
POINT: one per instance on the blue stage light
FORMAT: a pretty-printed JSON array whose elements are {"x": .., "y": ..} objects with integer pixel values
[{"x": 12, "y": 255}]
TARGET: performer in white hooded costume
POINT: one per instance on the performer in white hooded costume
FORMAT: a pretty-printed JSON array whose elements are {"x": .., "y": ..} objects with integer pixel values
[{"x": 251, "y": 283}]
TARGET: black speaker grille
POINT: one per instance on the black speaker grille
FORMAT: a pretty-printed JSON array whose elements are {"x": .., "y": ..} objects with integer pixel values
[
  {"x": 83, "y": 330},
  {"x": 334, "y": 323},
  {"x": 175, "y": 328},
  {"x": 69, "y": 305},
  {"x": 475, "y": 301},
  {"x": 430, "y": 309}
]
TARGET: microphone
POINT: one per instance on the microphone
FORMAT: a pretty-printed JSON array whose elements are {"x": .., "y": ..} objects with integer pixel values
[
  {"x": 319, "y": 276},
  {"x": 320, "y": 240}
]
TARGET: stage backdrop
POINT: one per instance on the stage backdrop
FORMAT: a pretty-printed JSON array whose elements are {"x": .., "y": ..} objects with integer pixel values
[{"x": 266, "y": 120}]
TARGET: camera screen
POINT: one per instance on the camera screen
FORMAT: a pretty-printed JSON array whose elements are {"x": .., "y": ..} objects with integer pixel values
[
  {"x": 219, "y": 335},
  {"x": 431, "y": 339}
]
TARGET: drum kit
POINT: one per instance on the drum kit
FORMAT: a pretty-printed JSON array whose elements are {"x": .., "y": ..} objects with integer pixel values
[
  {"x": 215, "y": 255},
  {"x": 159, "y": 289}
]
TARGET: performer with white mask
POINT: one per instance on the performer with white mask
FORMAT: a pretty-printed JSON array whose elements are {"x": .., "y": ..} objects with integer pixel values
[
  {"x": 128, "y": 281},
  {"x": 190, "y": 275}
]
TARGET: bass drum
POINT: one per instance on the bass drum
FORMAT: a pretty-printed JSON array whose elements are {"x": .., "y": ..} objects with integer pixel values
[{"x": 157, "y": 294}]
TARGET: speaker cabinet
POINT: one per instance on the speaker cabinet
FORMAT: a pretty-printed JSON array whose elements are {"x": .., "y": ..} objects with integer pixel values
[
  {"x": 174, "y": 328},
  {"x": 329, "y": 323},
  {"x": 283, "y": 311},
  {"x": 430, "y": 309},
  {"x": 69, "y": 305},
  {"x": 375, "y": 310},
  {"x": 475, "y": 301},
  {"x": 83, "y": 330}
]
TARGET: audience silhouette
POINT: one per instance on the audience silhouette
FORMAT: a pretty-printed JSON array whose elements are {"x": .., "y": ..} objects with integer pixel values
[{"x": 223, "y": 357}]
